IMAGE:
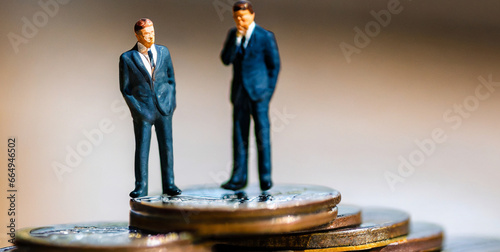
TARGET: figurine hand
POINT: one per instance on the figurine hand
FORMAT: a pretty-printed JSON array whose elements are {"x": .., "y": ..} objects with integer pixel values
[{"x": 241, "y": 31}]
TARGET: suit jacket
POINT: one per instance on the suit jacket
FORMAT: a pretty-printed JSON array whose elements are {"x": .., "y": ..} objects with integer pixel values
[
  {"x": 257, "y": 71},
  {"x": 146, "y": 94}
]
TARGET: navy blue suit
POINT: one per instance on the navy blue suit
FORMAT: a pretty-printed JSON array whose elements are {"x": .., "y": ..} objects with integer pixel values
[
  {"x": 151, "y": 99},
  {"x": 255, "y": 73}
]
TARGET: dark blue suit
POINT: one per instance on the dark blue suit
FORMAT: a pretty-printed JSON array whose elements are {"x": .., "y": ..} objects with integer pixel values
[
  {"x": 151, "y": 100},
  {"x": 255, "y": 73}
]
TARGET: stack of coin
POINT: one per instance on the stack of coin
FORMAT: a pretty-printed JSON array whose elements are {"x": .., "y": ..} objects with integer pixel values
[
  {"x": 380, "y": 230},
  {"x": 289, "y": 217},
  {"x": 379, "y": 227},
  {"x": 286, "y": 218},
  {"x": 217, "y": 212}
]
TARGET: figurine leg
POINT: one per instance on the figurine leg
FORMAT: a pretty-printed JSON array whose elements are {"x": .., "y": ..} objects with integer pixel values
[
  {"x": 260, "y": 113},
  {"x": 142, "y": 132},
  {"x": 163, "y": 128},
  {"x": 241, "y": 125}
]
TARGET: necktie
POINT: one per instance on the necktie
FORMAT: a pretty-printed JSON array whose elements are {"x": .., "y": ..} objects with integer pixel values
[
  {"x": 242, "y": 45},
  {"x": 151, "y": 60}
]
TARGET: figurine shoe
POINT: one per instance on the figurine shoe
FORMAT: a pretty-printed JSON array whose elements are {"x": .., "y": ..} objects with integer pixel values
[
  {"x": 139, "y": 193},
  {"x": 172, "y": 190},
  {"x": 265, "y": 184},
  {"x": 234, "y": 186}
]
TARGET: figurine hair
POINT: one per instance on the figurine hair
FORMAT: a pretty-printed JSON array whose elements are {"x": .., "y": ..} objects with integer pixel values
[
  {"x": 142, "y": 23},
  {"x": 243, "y": 5}
]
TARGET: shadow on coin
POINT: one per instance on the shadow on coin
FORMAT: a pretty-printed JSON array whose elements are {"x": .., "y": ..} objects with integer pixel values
[
  {"x": 265, "y": 196},
  {"x": 238, "y": 196}
]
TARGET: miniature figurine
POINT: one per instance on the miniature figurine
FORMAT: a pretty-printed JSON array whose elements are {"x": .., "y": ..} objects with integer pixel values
[
  {"x": 253, "y": 52},
  {"x": 147, "y": 83}
]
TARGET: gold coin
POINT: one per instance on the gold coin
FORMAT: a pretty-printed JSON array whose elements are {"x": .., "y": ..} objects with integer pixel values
[{"x": 380, "y": 227}]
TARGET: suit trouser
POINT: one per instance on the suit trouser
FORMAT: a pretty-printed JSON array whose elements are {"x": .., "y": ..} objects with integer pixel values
[
  {"x": 142, "y": 130},
  {"x": 243, "y": 108}
]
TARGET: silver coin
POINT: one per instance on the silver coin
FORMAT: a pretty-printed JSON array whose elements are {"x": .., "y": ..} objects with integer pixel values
[
  {"x": 96, "y": 236},
  {"x": 214, "y": 202}
]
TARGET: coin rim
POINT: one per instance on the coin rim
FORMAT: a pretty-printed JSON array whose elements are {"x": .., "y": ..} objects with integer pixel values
[{"x": 156, "y": 223}]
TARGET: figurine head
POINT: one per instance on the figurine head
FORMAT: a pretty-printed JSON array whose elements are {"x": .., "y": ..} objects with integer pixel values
[
  {"x": 243, "y": 15},
  {"x": 145, "y": 32}
]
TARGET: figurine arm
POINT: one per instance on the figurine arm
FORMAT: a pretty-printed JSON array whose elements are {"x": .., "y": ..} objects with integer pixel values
[
  {"x": 230, "y": 49},
  {"x": 272, "y": 59},
  {"x": 170, "y": 82},
  {"x": 126, "y": 87},
  {"x": 170, "y": 69}
]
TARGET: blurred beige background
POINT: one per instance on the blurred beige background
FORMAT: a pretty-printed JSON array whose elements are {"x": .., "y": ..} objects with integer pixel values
[{"x": 418, "y": 85}]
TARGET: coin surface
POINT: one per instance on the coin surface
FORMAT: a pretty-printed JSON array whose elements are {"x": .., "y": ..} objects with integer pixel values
[
  {"x": 463, "y": 244},
  {"x": 212, "y": 203},
  {"x": 422, "y": 237},
  {"x": 98, "y": 237},
  {"x": 380, "y": 227}
]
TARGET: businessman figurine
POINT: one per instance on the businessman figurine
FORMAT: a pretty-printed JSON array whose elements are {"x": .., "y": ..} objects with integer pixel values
[
  {"x": 253, "y": 52},
  {"x": 147, "y": 83}
]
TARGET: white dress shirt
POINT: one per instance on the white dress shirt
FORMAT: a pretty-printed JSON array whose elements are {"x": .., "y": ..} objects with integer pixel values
[{"x": 143, "y": 51}]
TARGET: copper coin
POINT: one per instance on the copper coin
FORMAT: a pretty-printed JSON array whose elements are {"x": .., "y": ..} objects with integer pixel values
[
  {"x": 380, "y": 227},
  {"x": 98, "y": 237},
  {"x": 250, "y": 226},
  {"x": 212, "y": 203},
  {"x": 422, "y": 237},
  {"x": 347, "y": 216},
  {"x": 463, "y": 244}
]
